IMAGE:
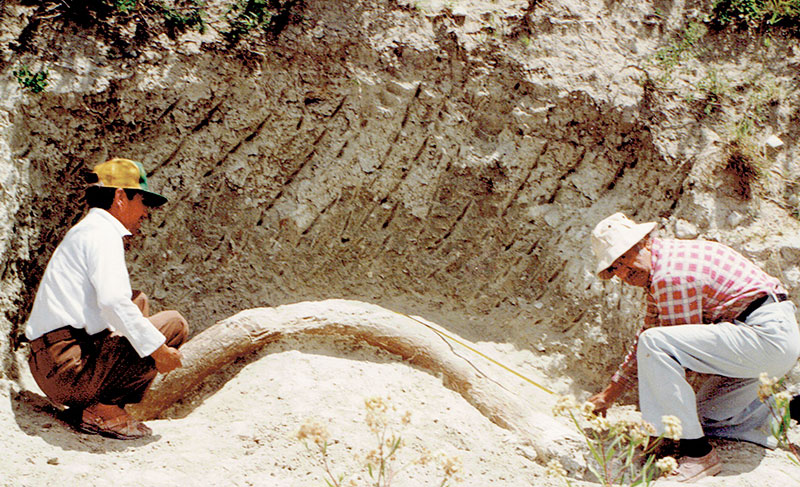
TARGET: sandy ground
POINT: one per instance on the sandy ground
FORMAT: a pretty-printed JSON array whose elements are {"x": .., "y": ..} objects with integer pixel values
[{"x": 240, "y": 429}]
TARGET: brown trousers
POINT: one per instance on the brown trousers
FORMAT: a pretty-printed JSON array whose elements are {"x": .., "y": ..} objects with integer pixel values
[{"x": 78, "y": 370}]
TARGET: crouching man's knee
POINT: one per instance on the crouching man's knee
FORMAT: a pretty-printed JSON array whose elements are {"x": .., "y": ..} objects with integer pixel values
[
  {"x": 173, "y": 326},
  {"x": 650, "y": 341}
]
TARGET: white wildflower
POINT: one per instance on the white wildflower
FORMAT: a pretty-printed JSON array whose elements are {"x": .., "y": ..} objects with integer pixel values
[
  {"x": 666, "y": 465},
  {"x": 555, "y": 468},
  {"x": 672, "y": 427}
]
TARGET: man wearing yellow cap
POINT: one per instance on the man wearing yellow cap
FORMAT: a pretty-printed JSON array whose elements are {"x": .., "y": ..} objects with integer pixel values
[
  {"x": 93, "y": 346},
  {"x": 710, "y": 310}
]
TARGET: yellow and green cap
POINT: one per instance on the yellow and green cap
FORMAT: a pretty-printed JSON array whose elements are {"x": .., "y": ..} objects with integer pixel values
[{"x": 127, "y": 174}]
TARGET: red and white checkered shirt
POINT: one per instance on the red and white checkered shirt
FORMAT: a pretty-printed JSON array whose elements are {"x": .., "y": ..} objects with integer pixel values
[{"x": 697, "y": 282}]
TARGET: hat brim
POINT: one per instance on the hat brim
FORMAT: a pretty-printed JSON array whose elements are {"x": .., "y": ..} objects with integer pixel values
[
  {"x": 631, "y": 237},
  {"x": 151, "y": 199}
]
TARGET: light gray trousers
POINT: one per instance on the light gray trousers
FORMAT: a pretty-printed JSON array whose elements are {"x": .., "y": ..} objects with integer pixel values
[{"x": 726, "y": 405}]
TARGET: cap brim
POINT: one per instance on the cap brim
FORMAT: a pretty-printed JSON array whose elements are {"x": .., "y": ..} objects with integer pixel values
[{"x": 152, "y": 199}]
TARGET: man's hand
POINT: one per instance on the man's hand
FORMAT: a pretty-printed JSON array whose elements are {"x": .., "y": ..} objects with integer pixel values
[
  {"x": 167, "y": 358},
  {"x": 603, "y": 400}
]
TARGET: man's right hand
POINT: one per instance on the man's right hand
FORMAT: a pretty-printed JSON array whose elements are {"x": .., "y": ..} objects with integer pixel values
[
  {"x": 604, "y": 399},
  {"x": 167, "y": 358}
]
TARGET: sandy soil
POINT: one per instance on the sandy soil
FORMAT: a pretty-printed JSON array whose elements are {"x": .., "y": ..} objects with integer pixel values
[{"x": 240, "y": 429}]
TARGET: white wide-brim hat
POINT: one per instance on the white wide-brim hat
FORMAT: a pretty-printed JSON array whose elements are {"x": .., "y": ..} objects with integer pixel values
[{"x": 614, "y": 236}]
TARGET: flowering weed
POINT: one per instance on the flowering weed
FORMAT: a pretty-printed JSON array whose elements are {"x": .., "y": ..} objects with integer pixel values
[
  {"x": 773, "y": 393},
  {"x": 382, "y": 462},
  {"x": 622, "y": 451}
]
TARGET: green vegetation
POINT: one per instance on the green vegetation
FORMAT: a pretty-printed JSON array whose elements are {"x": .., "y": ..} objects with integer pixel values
[
  {"x": 670, "y": 56},
  {"x": 623, "y": 451},
  {"x": 192, "y": 16},
  {"x": 752, "y": 100},
  {"x": 757, "y": 12},
  {"x": 246, "y": 15},
  {"x": 772, "y": 392},
  {"x": 743, "y": 108},
  {"x": 125, "y": 6},
  {"x": 754, "y": 108},
  {"x": 383, "y": 463},
  {"x": 715, "y": 87},
  {"x": 243, "y": 17},
  {"x": 740, "y": 107},
  {"x": 35, "y": 82}
]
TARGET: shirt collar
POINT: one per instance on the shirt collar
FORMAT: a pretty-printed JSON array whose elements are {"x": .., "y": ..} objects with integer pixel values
[{"x": 110, "y": 219}]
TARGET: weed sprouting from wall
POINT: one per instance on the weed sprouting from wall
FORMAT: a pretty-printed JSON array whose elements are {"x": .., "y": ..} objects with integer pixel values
[
  {"x": 715, "y": 87},
  {"x": 670, "y": 56},
  {"x": 35, "y": 82},
  {"x": 745, "y": 168},
  {"x": 181, "y": 18},
  {"x": 247, "y": 15},
  {"x": 151, "y": 16},
  {"x": 125, "y": 6},
  {"x": 763, "y": 13}
]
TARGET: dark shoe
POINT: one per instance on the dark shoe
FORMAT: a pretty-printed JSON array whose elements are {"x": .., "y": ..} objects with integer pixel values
[
  {"x": 666, "y": 448},
  {"x": 794, "y": 408}
]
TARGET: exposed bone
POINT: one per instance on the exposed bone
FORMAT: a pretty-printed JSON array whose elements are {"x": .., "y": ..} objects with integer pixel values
[{"x": 252, "y": 329}]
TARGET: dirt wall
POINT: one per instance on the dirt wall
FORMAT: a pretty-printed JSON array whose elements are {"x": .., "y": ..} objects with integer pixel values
[{"x": 443, "y": 161}]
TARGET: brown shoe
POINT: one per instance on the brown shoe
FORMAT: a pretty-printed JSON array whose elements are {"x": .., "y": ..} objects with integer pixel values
[
  {"x": 122, "y": 427},
  {"x": 693, "y": 468}
]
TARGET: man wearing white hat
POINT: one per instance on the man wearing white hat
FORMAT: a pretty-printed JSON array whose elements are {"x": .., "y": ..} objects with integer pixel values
[
  {"x": 94, "y": 347},
  {"x": 709, "y": 310}
]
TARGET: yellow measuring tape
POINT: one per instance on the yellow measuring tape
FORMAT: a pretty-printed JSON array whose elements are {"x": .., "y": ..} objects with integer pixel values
[{"x": 448, "y": 337}]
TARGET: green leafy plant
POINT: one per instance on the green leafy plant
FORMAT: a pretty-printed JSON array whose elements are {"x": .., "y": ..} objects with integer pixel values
[
  {"x": 763, "y": 91},
  {"x": 35, "y": 82},
  {"x": 125, "y": 6},
  {"x": 756, "y": 12},
  {"x": 714, "y": 86},
  {"x": 382, "y": 462},
  {"x": 246, "y": 15},
  {"x": 192, "y": 16},
  {"x": 668, "y": 57},
  {"x": 772, "y": 392},
  {"x": 623, "y": 452}
]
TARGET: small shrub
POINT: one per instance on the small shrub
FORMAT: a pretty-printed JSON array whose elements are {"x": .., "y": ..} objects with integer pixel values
[
  {"x": 192, "y": 17},
  {"x": 772, "y": 392},
  {"x": 715, "y": 87},
  {"x": 745, "y": 166},
  {"x": 35, "y": 82},
  {"x": 382, "y": 462},
  {"x": 246, "y": 15},
  {"x": 622, "y": 451},
  {"x": 756, "y": 12},
  {"x": 672, "y": 55},
  {"x": 125, "y": 6}
]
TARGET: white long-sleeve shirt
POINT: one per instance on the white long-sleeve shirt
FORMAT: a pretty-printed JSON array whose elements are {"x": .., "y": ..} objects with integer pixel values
[{"x": 86, "y": 285}]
